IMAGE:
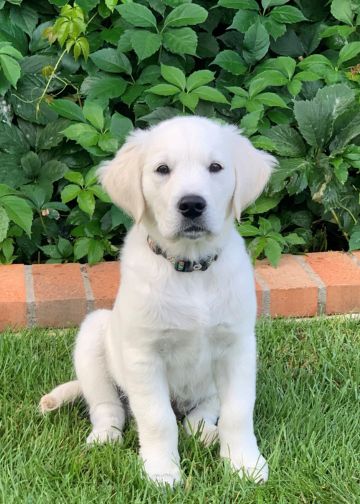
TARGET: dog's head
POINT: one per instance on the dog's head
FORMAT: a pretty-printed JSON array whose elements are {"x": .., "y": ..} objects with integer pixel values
[{"x": 186, "y": 176}]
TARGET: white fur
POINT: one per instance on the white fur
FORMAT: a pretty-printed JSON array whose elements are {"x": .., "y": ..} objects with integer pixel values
[{"x": 187, "y": 337}]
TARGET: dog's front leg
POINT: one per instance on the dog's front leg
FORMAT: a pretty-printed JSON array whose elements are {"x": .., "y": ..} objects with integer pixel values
[
  {"x": 235, "y": 374},
  {"x": 150, "y": 403}
]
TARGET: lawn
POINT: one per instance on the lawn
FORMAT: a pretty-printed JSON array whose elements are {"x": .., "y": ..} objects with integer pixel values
[{"x": 307, "y": 422}]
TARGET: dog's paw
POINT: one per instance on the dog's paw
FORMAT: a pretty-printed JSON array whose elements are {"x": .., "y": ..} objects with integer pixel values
[
  {"x": 48, "y": 403},
  {"x": 101, "y": 436},
  {"x": 162, "y": 473},
  {"x": 256, "y": 471}
]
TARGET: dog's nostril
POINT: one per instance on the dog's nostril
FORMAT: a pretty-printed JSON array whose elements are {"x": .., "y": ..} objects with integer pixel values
[{"x": 192, "y": 206}]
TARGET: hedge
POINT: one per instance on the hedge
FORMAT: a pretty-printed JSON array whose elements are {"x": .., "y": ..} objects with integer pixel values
[{"x": 76, "y": 78}]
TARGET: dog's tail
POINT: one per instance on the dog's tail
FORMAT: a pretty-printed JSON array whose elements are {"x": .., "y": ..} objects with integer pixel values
[{"x": 62, "y": 394}]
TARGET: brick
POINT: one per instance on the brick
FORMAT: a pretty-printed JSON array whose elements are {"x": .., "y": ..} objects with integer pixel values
[
  {"x": 292, "y": 292},
  {"x": 104, "y": 280},
  {"x": 341, "y": 277},
  {"x": 59, "y": 295},
  {"x": 12, "y": 296}
]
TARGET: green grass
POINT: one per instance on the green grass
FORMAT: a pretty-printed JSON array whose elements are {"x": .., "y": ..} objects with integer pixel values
[{"x": 307, "y": 421}]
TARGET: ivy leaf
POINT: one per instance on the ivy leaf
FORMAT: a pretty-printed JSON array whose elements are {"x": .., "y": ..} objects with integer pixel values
[
  {"x": 239, "y": 4},
  {"x": 137, "y": 15},
  {"x": 164, "y": 90},
  {"x": 180, "y": 41},
  {"x": 93, "y": 112},
  {"x": 145, "y": 43},
  {"x": 342, "y": 10},
  {"x": 243, "y": 20},
  {"x": 111, "y": 60},
  {"x": 103, "y": 87},
  {"x": 287, "y": 14},
  {"x": 199, "y": 78},
  {"x": 174, "y": 76},
  {"x": 348, "y": 52},
  {"x": 354, "y": 243},
  {"x": 81, "y": 247},
  {"x": 210, "y": 94},
  {"x": 19, "y": 211},
  {"x": 96, "y": 250},
  {"x": 230, "y": 61},
  {"x": 11, "y": 69},
  {"x": 70, "y": 192},
  {"x": 273, "y": 251},
  {"x": 86, "y": 201},
  {"x": 256, "y": 43},
  {"x": 271, "y": 100},
  {"x": 287, "y": 141},
  {"x": 68, "y": 109},
  {"x": 4, "y": 223},
  {"x": 83, "y": 134},
  {"x": 185, "y": 15}
]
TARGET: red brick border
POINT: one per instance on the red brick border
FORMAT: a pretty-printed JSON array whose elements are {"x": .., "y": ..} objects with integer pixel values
[{"x": 59, "y": 295}]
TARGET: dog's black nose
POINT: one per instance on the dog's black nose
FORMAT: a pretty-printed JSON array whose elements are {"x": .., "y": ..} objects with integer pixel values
[{"x": 191, "y": 206}]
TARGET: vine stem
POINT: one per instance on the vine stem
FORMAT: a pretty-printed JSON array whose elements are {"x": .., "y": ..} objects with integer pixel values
[
  {"x": 52, "y": 75},
  {"x": 339, "y": 224}
]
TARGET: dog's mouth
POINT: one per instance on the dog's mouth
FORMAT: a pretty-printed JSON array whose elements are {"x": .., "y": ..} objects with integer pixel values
[{"x": 193, "y": 232}]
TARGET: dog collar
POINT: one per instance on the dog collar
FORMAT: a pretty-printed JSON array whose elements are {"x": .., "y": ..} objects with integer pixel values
[{"x": 183, "y": 265}]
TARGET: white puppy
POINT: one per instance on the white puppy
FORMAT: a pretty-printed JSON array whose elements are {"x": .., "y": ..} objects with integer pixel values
[{"x": 182, "y": 328}]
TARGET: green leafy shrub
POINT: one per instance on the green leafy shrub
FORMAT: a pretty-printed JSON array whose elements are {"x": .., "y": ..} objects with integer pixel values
[{"x": 76, "y": 78}]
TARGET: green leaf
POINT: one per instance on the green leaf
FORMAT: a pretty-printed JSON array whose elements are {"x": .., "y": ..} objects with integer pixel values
[
  {"x": 190, "y": 100},
  {"x": 164, "y": 90},
  {"x": 264, "y": 204},
  {"x": 243, "y": 20},
  {"x": 12, "y": 140},
  {"x": 81, "y": 248},
  {"x": 316, "y": 117},
  {"x": 19, "y": 211},
  {"x": 100, "y": 193},
  {"x": 273, "y": 251},
  {"x": 120, "y": 127},
  {"x": 210, "y": 94},
  {"x": 137, "y": 15},
  {"x": 348, "y": 52},
  {"x": 294, "y": 239},
  {"x": 108, "y": 143},
  {"x": 174, "y": 76},
  {"x": 256, "y": 43},
  {"x": 31, "y": 164},
  {"x": 287, "y": 14},
  {"x": 342, "y": 10},
  {"x": 199, "y": 78},
  {"x": 180, "y": 41},
  {"x": 96, "y": 250},
  {"x": 9, "y": 50},
  {"x": 52, "y": 135},
  {"x": 68, "y": 109},
  {"x": 24, "y": 17},
  {"x": 70, "y": 192},
  {"x": 239, "y": 4},
  {"x": 350, "y": 131},
  {"x": 103, "y": 87},
  {"x": 75, "y": 177},
  {"x": 86, "y": 201},
  {"x": 271, "y": 100},
  {"x": 64, "y": 246},
  {"x": 93, "y": 113},
  {"x": 52, "y": 171},
  {"x": 4, "y": 223},
  {"x": 265, "y": 79},
  {"x": 83, "y": 134},
  {"x": 11, "y": 69},
  {"x": 230, "y": 61},
  {"x": 249, "y": 122},
  {"x": 287, "y": 141},
  {"x": 354, "y": 243},
  {"x": 246, "y": 229},
  {"x": 110, "y": 60},
  {"x": 145, "y": 43},
  {"x": 185, "y": 15}
]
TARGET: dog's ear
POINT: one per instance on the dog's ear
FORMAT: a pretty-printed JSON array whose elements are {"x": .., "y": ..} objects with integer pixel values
[
  {"x": 252, "y": 171},
  {"x": 121, "y": 177}
]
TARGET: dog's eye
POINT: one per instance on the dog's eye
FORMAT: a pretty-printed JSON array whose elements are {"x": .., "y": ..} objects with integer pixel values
[
  {"x": 215, "y": 167},
  {"x": 163, "y": 169}
]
